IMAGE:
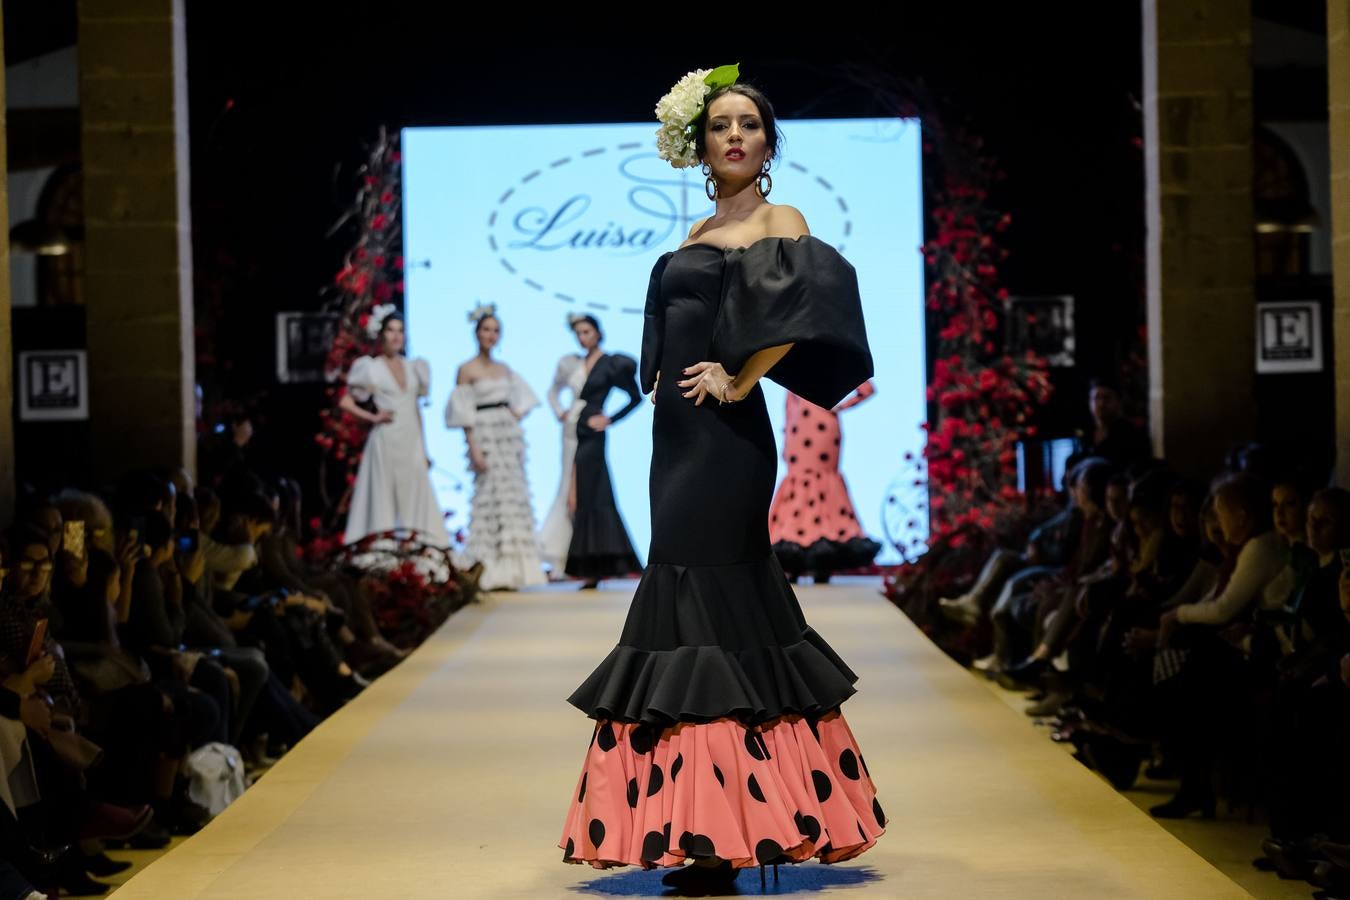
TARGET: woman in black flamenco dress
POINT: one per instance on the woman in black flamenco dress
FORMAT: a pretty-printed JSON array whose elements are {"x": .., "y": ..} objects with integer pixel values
[
  {"x": 718, "y": 735},
  {"x": 600, "y": 546}
]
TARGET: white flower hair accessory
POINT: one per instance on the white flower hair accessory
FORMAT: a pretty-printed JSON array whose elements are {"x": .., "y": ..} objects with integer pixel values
[
  {"x": 574, "y": 318},
  {"x": 377, "y": 316},
  {"x": 482, "y": 311},
  {"x": 682, "y": 106}
]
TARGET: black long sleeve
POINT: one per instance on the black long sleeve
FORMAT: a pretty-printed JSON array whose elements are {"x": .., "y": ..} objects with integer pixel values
[{"x": 625, "y": 379}]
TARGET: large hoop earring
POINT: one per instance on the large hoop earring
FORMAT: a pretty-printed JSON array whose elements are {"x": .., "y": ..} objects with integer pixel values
[
  {"x": 759, "y": 188},
  {"x": 710, "y": 187}
]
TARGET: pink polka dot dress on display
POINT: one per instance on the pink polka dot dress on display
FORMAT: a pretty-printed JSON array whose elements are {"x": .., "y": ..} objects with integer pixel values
[{"x": 812, "y": 524}]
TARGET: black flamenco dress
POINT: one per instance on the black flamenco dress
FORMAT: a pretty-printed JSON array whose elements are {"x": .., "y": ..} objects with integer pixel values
[
  {"x": 718, "y": 729},
  {"x": 600, "y": 546}
]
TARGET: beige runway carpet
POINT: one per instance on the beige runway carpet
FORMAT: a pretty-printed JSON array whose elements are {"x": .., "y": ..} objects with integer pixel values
[{"x": 450, "y": 776}]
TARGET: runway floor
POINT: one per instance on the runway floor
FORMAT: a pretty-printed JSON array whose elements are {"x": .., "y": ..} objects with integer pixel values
[{"x": 450, "y": 776}]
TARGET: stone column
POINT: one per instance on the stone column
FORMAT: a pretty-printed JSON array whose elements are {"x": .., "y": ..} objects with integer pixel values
[
  {"x": 138, "y": 275},
  {"x": 6, "y": 329},
  {"x": 1199, "y": 247},
  {"x": 1338, "y": 74}
]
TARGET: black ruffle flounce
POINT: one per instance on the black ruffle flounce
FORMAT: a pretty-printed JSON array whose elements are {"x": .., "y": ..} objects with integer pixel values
[{"x": 706, "y": 642}]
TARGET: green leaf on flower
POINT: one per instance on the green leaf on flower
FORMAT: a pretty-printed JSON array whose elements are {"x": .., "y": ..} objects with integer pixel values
[{"x": 722, "y": 76}]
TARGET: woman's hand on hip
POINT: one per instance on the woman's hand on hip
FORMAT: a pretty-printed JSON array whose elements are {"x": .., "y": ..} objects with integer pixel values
[{"x": 709, "y": 379}]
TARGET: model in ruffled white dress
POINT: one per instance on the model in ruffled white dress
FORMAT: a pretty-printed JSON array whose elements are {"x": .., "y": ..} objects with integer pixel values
[
  {"x": 488, "y": 402},
  {"x": 556, "y": 534},
  {"x": 393, "y": 489}
]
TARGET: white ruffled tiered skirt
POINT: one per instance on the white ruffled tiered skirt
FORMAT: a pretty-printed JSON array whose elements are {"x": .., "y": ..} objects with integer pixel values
[{"x": 501, "y": 520}]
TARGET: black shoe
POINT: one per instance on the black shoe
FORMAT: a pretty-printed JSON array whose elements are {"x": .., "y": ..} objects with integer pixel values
[
  {"x": 1115, "y": 760},
  {"x": 103, "y": 866},
  {"x": 154, "y": 837},
  {"x": 1293, "y": 860},
  {"x": 1008, "y": 683},
  {"x": 701, "y": 881},
  {"x": 1181, "y": 807},
  {"x": 1029, "y": 671},
  {"x": 78, "y": 884},
  {"x": 1328, "y": 875}
]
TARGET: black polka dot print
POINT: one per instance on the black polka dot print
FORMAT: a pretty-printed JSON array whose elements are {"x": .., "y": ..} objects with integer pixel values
[
  {"x": 822, "y": 784},
  {"x": 606, "y": 739},
  {"x": 632, "y": 793},
  {"x": 766, "y": 851},
  {"x": 654, "y": 781},
  {"x": 653, "y": 846},
  {"x": 862, "y": 834},
  {"x": 808, "y": 827},
  {"x": 863, "y": 760},
  {"x": 754, "y": 745},
  {"x": 581, "y": 794},
  {"x": 752, "y": 785},
  {"x": 597, "y": 833},
  {"x": 878, "y": 813},
  {"x": 571, "y": 848},
  {"x": 718, "y": 773},
  {"x": 643, "y": 739},
  {"x": 676, "y": 766},
  {"x": 698, "y": 846},
  {"x": 848, "y": 764}
]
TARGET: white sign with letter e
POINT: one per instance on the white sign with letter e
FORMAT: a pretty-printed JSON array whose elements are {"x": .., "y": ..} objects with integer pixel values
[
  {"x": 53, "y": 386},
  {"x": 1288, "y": 337}
]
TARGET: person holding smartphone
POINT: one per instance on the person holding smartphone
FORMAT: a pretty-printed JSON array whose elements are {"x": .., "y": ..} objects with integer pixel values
[
  {"x": 22, "y": 605},
  {"x": 205, "y": 630},
  {"x": 155, "y": 632}
]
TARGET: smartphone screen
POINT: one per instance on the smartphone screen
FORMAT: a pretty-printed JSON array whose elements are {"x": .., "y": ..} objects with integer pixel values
[
  {"x": 39, "y": 639},
  {"x": 72, "y": 540}
]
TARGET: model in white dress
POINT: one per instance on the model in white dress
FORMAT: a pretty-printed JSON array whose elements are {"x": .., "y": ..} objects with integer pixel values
[
  {"x": 488, "y": 402},
  {"x": 556, "y": 534},
  {"x": 393, "y": 489}
]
